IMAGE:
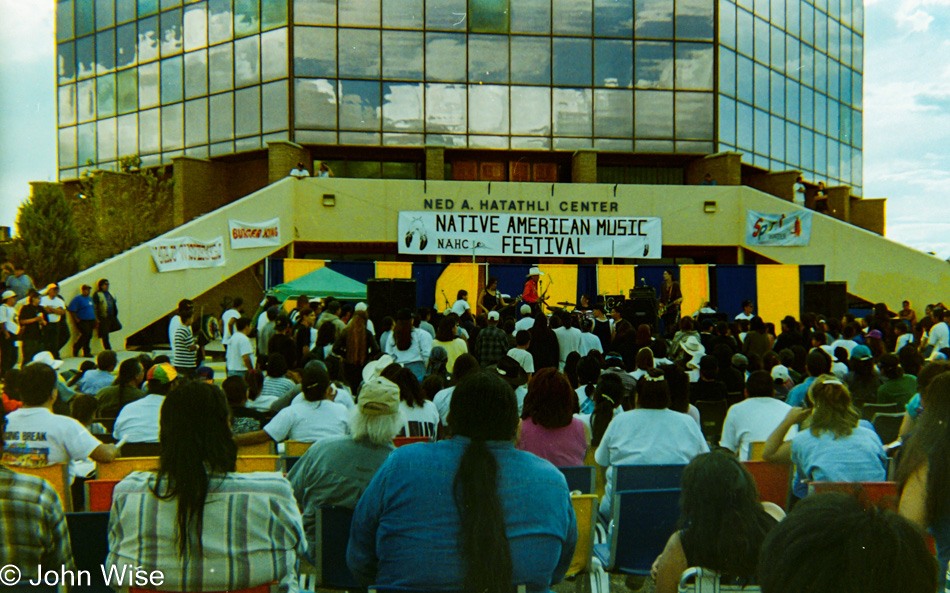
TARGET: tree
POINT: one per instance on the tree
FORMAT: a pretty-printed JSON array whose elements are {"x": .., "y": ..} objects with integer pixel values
[{"x": 47, "y": 242}]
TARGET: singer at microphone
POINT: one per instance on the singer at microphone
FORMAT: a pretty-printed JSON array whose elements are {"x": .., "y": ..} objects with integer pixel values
[{"x": 532, "y": 285}]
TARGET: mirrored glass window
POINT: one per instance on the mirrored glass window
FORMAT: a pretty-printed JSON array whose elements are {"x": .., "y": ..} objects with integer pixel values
[
  {"x": 653, "y": 64},
  {"x": 808, "y": 107},
  {"x": 86, "y": 57},
  {"x": 807, "y": 147},
  {"x": 846, "y": 56},
  {"x": 86, "y": 101},
  {"x": 247, "y": 17},
  {"x": 172, "y": 90},
  {"x": 727, "y": 72},
  {"x": 488, "y": 58},
  {"x": 67, "y": 147},
  {"x": 150, "y": 132},
  {"x": 221, "y": 112},
  {"x": 793, "y": 59},
  {"x": 613, "y": 63},
  {"x": 777, "y": 15},
  {"x": 275, "y": 98},
  {"x": 808, "y": 66},
  {"x": 744, "y": 79},
  {"x": 792, "y": 95},
  {"x": 833, "y": 113},
  {"x": 66, "y": 62},
  {"x": 530, "y": 60},
  {"x": 833, "y": 78},
  {"x": 315, "y": 12},
  {"x": 403, "y": 14},
  {"x": 821, "y": 72},
  {"x": 571, "y": 17},
  {"x": 147, "y": 6},
  {"x": 791, "y": 145},
  {"x": 821, "y": 154},
  {"x": 403, "y": 107},
  {"x": 572, "y": 61},
  {"x": 148, "y": 86},
  {"x": 196, "y": 74},
  {"x": 128, "y": 135},
  {"x": 403, "y": 53},
  {"x": 777, "y": 138},
  {"x": 359, "y": 53},
  {"x": 105, "y": 51},
  {"x": 834, "y": 40},
  {"x": 274, "y": 54},
  {"x": 778, "y": 49},
  {"x": 761, "y": 132},
  {"x": 127, "y": 90},
  {"x": 66, "y": 105},
  {"x": 446, "y": 15},
  {"x": 106, "y": 139},
  {"x": 64, "y": 21},
  {"x": 446, "y": 108},
  {"x": 247, "y": 61},
  {"x": 488, "y": 16},
  {"x": 653, "y": 114},
  {"x": 821, "y": 31},
  {"x": 654, "y": 18},
  {"x": 171, "y": 32},
  {"x": 488, "y": 109},
  {"x": 727, "y": 24},
  {"x": 531, "y": 111},
  {"x": 777, "y": 94},
  {"x": 694, "y": 116},
  {"x": 220, "y": 21},
  {"x": 613, "y": 18},
  {"x": 125, "y": 45},
  {"x": 221, "y": 68},
  {"x": 761, "y": 41},
  {"x": 148, "y": 39},
  {"x": 273, "y": 14},
  {"x": 445, "y": 56},
  {"x": 314, "y": 51},
  {"x": 793, "y": 18},
  {"x": 85, "y": 17},
  {"x": 247, "y": 112},
  {"x": 360, "y": 104},
  {"x": 744, "y": 126},
  {"x": 857, "y": 91},
  {"x": 196, "y": 122},
  {"x": 694, "y": 19},
  {"x": 808, "y": 23},
  {"x": 572, "y": 109},
  {"x": 613, "y": 113},
  {"x": 744, "y": 32},
  {"x": 359, "y": 13},
  {"x": 727, "y": 120},
  {"x": 173, "y": 133},
  {"x": 694, "y": 66},
  {"x": 530, "y": 16},
  {"x": 761, "y": 8},
  {"x": 315, "y": 104},
  {"x": 124, "y": 11},
  {"x": 105, "y": 96},
  {"x": 857, "y": 52}
]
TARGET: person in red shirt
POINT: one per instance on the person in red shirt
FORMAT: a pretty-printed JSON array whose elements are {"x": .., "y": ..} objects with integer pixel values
[
  {"x": 531, "y": 294},
  {"x": 11, "y": 391}
]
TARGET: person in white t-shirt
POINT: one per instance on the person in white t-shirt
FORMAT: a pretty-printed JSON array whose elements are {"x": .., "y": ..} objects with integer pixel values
[
  {"x": 240, "y": 354},
  {"x": 460, "y": 306},
  {"x": 520, "y": 352},
  {"x": 939, "y": 336},
  {"x": 568, "y": 338},
  {"x": 54, "y": 307},
  {"x": 35, "y": 437},
  {"x": 754, "y": 418},
  {"x": 747, "y": 314},
  {"x": 229, "y": 319},
  {"x": 308, "y": 419},
  {"x": 527, "y": 321},
  {"x": 421, "y": 415},
  {"x": 138, "y": 422}
]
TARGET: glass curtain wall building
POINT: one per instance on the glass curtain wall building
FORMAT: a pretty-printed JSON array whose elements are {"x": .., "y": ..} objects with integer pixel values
[{"x": 779, "y": 81}]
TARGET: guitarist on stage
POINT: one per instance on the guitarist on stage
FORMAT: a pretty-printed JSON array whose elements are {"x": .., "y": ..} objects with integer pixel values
[
  {"x": 531, "y": 293},
  {"x": 670, "y": 299}
]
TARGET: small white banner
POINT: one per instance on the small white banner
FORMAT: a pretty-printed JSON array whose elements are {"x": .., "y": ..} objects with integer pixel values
[
  {"x": 182, "y": 253},
  {"x": 792, "y": 229},
  {"x": 458, "y": 233},
  {"x": 246, "y": 235}
]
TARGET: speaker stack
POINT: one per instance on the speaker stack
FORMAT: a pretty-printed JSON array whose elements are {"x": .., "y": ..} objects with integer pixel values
[
  {"x": 825, "y": 298},
  {"x": 386, "y": 296},
  {"x": 640, "y": 308}
]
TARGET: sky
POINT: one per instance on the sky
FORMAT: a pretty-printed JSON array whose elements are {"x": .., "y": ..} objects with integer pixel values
[{"x": 906, "y": 112}]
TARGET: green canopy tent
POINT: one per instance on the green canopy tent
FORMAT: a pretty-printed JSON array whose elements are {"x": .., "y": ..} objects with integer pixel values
[{"x": 321, "y": 283}]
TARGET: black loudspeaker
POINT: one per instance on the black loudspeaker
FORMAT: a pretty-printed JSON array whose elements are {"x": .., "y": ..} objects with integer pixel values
[
  {"x": 404, "y": 294},
  {"x": 641, "y": 310},
  {"x": 825, "y": 298},
  {"x": 385, "y": 297},
  {"x": 613, "y": 301}
]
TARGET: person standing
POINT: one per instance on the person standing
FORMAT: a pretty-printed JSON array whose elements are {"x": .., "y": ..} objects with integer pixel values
[
  {"x": 240, "y": 353},
  {"x": 184, "y": 348},
  {"x": 55, "y": 308},
  {"x": 19, "y": 282},
  {"x": 83, "y": 314},
  {"x": 107, "y": 313},
  {"x": 229, "y": 318},
  {"x": 532, "y": 289},
  {"x": 32, "y": 321},
  {"x": 9, "y": 328},
  {"x": 670, "y": 298}
]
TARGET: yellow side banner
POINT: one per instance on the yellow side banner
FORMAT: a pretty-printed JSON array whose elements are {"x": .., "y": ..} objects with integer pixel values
[
  {"x": 560, "y": 283},
  {"x": 694, "y": 284},
  {"x": 295, "y": 268},
  {"x": 456, "y": 277},
  {"x": 778, "y": 293},
  {"x": 394, "y": 269},
  {"x": 614, "y": 280}
]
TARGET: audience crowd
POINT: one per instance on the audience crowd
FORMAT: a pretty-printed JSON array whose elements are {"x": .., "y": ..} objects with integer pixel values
[{"x": 500, "y": 403}]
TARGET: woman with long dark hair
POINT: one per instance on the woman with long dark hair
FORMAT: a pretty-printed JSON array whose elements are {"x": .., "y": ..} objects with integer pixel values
[
  {"x": 205, "y": 527},
  {"x": 722, "y": 523},
  {"x": 422, "y": 417},
  {"x": 409, "y": 345},
  {"x": 356, "y": 346},
  {"x": 544, "y": 348},
  {"x": 549, "y": 428},
  {"x": 507, "y": 521},
  {"x": 107, "y": 312},
  {"x": 124, "y": 390},
  {"x": 446, "y": 336}
]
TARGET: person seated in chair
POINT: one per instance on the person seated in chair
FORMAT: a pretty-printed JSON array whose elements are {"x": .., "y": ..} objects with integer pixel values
[{"x": 138, "y": 422}]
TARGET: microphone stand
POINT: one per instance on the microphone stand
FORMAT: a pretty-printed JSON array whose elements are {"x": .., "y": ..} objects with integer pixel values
[{"x": 446, "y": 299}]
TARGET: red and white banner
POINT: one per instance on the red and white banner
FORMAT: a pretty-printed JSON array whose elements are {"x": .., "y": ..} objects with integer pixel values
[
  {"x": 247, "y": 235},
  {"x": 183, "y": 253}
]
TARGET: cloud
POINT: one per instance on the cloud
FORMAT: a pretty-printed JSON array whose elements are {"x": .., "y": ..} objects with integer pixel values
[{"x": 26, "y": 30}]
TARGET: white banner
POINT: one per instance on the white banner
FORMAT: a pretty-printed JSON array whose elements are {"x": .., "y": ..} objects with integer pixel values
[
  {"x": 182, "y": 253},
  {"x": 459, "y": 233},
  {"x": 791, "y": 229},
  {"x": 246, "y": 235}
]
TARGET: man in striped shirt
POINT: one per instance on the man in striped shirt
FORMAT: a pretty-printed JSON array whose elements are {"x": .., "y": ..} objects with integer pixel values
[{"x": 184, "y": 348}]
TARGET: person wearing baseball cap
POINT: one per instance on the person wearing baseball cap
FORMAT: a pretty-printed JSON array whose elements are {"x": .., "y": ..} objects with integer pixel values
[
  {"x": 8, "y": 331},
  {"x": 56, "y": 332},
  {"x": 492, "y": 341},
  {"x": 138, "y": 421},
  {"x": 336, "y": 470}
]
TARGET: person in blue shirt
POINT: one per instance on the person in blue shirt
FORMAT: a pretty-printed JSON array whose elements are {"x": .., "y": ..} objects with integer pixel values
[
  {"x": 471, "y": 513},
  {"x": 817, "y": 363},
  {"x": 83, "y": 314}
]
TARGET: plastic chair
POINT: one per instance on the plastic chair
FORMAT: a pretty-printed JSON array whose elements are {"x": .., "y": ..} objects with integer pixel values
[
  {"x": 647, "y": 477},
  {"x": 580, "y": 478},
  {"x": 265, "y": 448},
  {"x": 295, "y": 448},
  {"x": 584, "y": 562},
  {"x": 881, "y": 494},
  {"x": 642, "y": 523},
  {"x": 258, "y": 463},
  {"x": 712, "y": 414},
  {"x": 869, "y": 410},
  {"x": 755, "y": 449},
  {"x": 772, "y": 480},
  {"x": 120, "y": 467},
  {"x": 402, "y": 441},
  {"x": 888, "y": 426},
  {"x": 99, "y": 494},
  {"x": 332, "y": 528},
  {"x": 702, "y": 580},
  {"x": 56, "y": 475},
  {"x": 89, "y": 536}
]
